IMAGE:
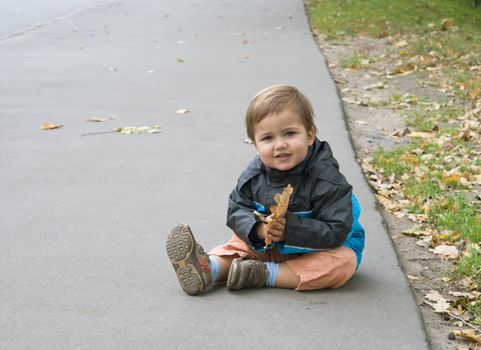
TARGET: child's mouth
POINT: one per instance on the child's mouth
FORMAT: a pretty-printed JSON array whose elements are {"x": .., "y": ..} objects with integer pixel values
[{"x": 282, "y": 156}]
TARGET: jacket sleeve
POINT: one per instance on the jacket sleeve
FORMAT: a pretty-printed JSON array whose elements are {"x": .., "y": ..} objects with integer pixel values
[
  {"x": 240, "y": 213},
  {"x": 331, "y": 221}
]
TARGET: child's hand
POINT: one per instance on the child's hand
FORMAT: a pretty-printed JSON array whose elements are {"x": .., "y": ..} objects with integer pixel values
[{"x": 277, "y": 231}]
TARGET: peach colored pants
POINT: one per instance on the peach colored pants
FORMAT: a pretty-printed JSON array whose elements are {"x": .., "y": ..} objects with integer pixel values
[{"x": 325, "y": 269}]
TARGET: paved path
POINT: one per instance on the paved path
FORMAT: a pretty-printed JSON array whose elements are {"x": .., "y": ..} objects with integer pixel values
[{"x": 84, "y": 219}]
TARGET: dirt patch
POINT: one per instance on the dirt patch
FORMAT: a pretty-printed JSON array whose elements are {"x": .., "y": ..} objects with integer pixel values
[{"x": 359, "y": 68}]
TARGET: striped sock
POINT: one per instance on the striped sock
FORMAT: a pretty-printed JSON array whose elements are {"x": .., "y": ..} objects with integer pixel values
[
  {"x": 214, "y": 268},
  {"x": 272, "y": 269}
]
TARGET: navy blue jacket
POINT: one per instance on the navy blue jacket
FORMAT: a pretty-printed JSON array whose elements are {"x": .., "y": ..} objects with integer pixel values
[{"x": 322, "y": 213}]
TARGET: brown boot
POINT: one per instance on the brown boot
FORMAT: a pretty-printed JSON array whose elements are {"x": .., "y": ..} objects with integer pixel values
[
  {"x": 246, "y": 274},
  {"x": 189, "y": 260}
]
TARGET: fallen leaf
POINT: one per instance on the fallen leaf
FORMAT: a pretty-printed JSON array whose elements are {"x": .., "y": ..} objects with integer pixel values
[
  {"x": 249, "y": 141},
  {"x": 280, "y": 209},
  {"x": 96, "y": 120},
  {"x": 48, "y": 126},
  {"x": 420, "y": 134},
  {"x": 182, "y": 111},
  {"x": 468, "y": 334},
  {"x": 405, "y": 68},
  {"x": 447, "y": 22},
  {"x": 449, "y": 251},
  {"x": 112, "y": 69},
  {"x": 433, "y": 295},
  {"x": 414, "y": 231},
  {"x": 379, "y": 85},
  {"x": 180, "y": 60},
  {"x": 130, "y": 130},
  {"x": 140, "y": 130},
  {"x": 413, "y": 278},
  {"x": 458, "y": 294},
  {"x": 441, "y": 306}
]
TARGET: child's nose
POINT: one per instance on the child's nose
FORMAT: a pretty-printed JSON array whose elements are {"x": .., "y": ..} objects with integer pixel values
[{"x": 281, "y": 143}]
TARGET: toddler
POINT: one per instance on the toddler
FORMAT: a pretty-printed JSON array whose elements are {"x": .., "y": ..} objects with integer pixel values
[{"x": 317, "y": 244}]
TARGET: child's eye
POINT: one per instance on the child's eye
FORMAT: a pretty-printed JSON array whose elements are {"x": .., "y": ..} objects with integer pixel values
[
  {"x": 266, "y": 138},
  {"x": 290, "y": 133}
]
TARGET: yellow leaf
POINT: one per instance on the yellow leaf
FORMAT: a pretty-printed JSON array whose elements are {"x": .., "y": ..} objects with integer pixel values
[
  {"x": 48, "y": 126},
  {"x": 468, "y": 334},
  {"x": 451, "y": 180}
]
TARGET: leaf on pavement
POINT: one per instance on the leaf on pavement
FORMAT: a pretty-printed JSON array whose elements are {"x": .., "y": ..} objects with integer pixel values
[
  {"x": 49, "y": 126},
  {"x": 182, "y": 111},
  {"x": 140, "y": 130},
  {"x": 96, "y": 120},
  {"x": 128, "y": 130}
]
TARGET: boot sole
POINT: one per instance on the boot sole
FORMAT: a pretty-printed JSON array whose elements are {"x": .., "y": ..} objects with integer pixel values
[{"x": 180, "y": 250}]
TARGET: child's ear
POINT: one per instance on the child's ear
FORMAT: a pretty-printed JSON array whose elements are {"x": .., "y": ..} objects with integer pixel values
[{"x": 311, "y": 135}]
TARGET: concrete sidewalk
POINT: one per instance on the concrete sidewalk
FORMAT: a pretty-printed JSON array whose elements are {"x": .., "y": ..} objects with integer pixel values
[{"x": 84, "y": 219}]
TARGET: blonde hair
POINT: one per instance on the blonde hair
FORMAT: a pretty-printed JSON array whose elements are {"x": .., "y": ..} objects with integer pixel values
[{"x": 276, "y": 99}]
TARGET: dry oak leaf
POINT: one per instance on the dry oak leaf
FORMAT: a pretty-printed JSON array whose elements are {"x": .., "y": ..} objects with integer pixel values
[
  {"x": 49, "y": 126},
  {"x": 468, "y": 334},
  {"x": 433, "y": 295},
  {"x": 280, "y": 209},
  {"x": 442, "y": 305}
]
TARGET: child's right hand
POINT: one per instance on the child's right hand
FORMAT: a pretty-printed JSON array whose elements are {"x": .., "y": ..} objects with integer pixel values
[{"x": 275, "y": 233}]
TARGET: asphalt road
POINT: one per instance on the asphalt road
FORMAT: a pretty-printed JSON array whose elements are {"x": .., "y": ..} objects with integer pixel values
[{"x": 84, "y": 218}]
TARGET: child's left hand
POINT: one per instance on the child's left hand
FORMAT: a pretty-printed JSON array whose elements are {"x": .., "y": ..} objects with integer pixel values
[{"x": 277, "y": 231}]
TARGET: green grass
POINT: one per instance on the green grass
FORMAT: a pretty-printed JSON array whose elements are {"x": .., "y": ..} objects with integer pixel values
[
  {"x": 421, "y": 120},
  {"x": 455, "y": 214},
  {"x": 379, "y": 18},
  {"x": 389, "y": 161},
  {"x": 428, "y": 188},
  {"x": 470, "y": 265},
  {"x": 356, "y": 61}
]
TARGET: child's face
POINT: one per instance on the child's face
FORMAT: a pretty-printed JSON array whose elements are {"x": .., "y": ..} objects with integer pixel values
[{"x": 282, "y": 140}]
